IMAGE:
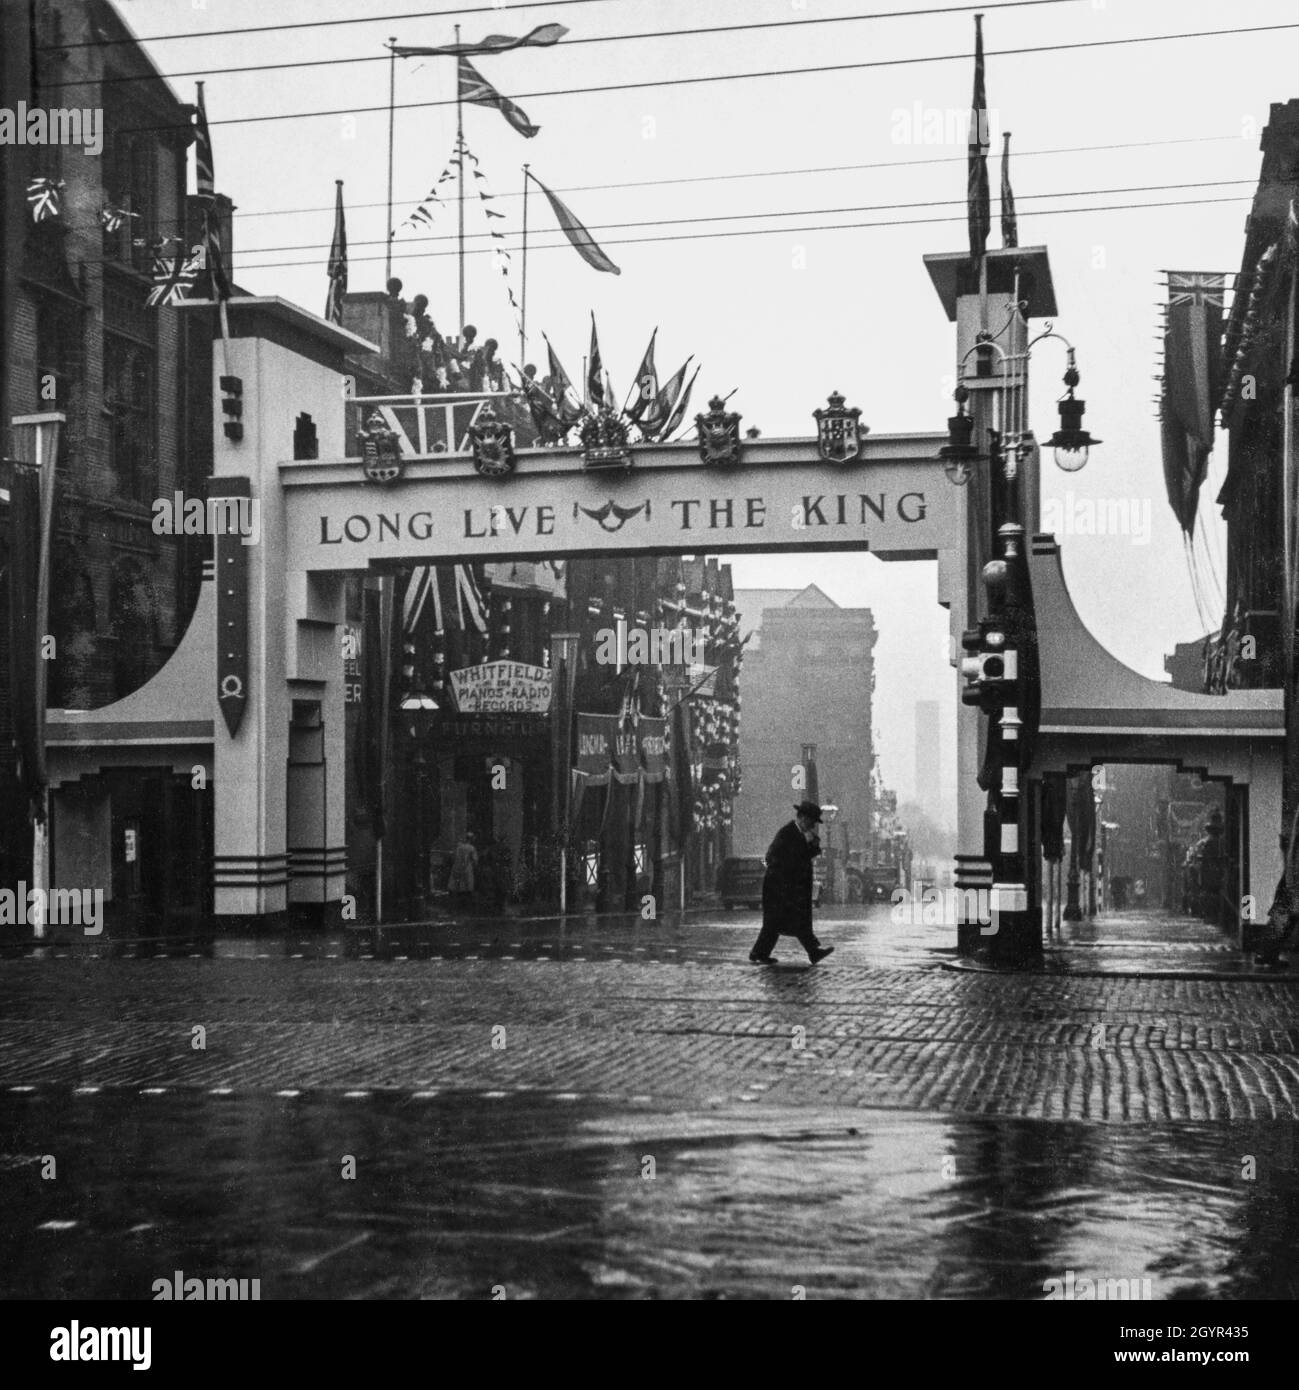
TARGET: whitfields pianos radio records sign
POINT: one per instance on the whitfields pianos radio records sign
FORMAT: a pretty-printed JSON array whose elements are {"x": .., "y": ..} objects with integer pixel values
[{"x": 502, "y": 687}]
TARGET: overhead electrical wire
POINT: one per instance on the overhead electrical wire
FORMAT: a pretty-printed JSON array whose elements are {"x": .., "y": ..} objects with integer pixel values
[
  {"x": 781, "y": 173},
  {"x": 791, "y": 212},
  {"x": 764, "y": 231},
  {"x": 818, "y": 71},
  {"x": 570, "y": 42},
  {"x": 540, "y": 4},
  {"x": 750, "y": 216}
]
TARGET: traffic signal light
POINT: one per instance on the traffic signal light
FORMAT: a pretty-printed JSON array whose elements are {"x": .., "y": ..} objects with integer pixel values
[
  {"x": 232, "y": 405},
  {"x": 990, "y": 668}
]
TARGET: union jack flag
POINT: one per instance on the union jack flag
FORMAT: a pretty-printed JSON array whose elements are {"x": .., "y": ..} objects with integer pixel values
[
  {"x": 203, "y": 170},
  {"x": 475, "y": 88},
  {"x": 45, "y": 196},
  {"x": 1191, "y": 287},
  {"x": 174, "y": 276},
  {"x": 111, "y": 218}
]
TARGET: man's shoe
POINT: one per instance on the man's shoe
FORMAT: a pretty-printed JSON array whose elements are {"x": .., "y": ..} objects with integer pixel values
[
  {"x": 764, "y": 960},
  {"x": 820, "y": 953}
]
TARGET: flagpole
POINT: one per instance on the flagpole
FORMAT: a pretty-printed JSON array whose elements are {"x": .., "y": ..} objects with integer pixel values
[
  {"x": 209, "y": 211},
  {"x": 460, "y": 152},
  {"x": 523, "y": 312},
  {"x": 392, "y": 114}
]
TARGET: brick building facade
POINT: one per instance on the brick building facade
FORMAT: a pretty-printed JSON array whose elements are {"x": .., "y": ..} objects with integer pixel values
[{"x": 134, "y": 384}]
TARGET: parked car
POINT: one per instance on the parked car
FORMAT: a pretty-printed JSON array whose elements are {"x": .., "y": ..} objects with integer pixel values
[{"x": 739, "y": 881}]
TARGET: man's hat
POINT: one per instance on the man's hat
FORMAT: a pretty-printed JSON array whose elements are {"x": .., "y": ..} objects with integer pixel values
[{"x": 809, "y": 809}]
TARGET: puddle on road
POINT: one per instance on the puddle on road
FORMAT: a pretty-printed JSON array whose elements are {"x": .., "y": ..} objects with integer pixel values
[{"x": 456, "y": 1195}]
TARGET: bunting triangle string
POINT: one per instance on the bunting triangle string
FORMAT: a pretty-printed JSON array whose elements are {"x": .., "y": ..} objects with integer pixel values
[
  {"x": 423, "y": 214},
  {"x": 502, "y": 256}
]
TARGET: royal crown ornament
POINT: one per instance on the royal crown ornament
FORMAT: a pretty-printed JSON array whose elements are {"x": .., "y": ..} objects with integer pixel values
[
  {"x": 839, "y": 431},
  {"x": 719, "y": 434},
  {"x": 604, "y": 441},
  {"x": 492, "y": 442},
  {"x": 381, "y": 451}
]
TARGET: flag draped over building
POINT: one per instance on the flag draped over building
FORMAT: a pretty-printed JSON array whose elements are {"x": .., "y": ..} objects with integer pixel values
[
  {"x": 173, "y": 276},
  {"x": 337, "y": 262},
  {"x": 443, "y": 622},
  {"x": 44, "y": 197},
  {"x": 583, "y": 242},
  {"x": 478, "y": 91},
  {"x": 1190, "y": 388},
  {"x": 543, "y": 36},
  {"x": 206, "y": 183},
  {"x": 1009, "y": 221},
  {"x": 980, "y": 212}
]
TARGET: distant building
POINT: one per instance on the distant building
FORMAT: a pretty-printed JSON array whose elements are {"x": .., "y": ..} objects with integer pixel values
[
  {"x": 809, "y": 677},
  {"x": 929, "y": 761}
]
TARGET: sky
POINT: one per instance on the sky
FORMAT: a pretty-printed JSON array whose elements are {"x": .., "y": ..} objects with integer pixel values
[{"x": 735, "y": 209}]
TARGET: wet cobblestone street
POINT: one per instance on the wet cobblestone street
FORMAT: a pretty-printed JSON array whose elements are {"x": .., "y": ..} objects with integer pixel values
[{"x": 621, "y": 1109}]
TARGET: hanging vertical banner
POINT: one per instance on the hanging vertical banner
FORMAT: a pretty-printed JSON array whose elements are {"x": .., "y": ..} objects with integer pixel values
[
  {"x": 231, "y": 554},
  {"x": 596, "y": 734},
  {"x": 626, "y": 754},
  {"x": 653, "y": 734}
]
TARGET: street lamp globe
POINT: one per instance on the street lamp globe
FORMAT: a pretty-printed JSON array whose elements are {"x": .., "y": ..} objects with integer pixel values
[{"x": 1071, "y": 444}]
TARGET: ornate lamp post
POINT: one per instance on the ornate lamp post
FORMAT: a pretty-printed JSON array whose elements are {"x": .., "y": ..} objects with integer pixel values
[{"x": 999, "y": 666}]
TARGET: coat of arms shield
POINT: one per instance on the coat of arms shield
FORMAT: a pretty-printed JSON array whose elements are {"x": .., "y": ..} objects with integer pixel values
[
  {"x": 492, "y": 442},
  {"x": 719, "y": 434},
  {"x": 381, "y": 457},
  {"x": 839, "y": 431}
]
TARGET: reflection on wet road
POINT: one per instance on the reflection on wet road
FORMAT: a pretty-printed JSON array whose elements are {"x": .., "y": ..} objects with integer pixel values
[{"x": 455, "y": 1196}]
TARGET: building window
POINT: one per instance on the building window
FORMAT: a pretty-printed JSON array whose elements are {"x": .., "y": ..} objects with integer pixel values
[
  {"x": 129, "y": 373},
  {"x": 131, "y": 183},
  {"x": 58, "y": 354}
]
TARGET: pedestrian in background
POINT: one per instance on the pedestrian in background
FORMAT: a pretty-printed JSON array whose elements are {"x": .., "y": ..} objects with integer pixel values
[
  {"x": 787, "y": 887},
  {"x": 464, "y": 869}
]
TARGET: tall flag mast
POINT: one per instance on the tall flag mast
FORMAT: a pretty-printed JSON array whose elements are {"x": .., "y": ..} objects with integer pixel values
[
  {"x": 473, "y": 87},
  {"x": 392, "y": 114},
  {"x": 980, "y": 213}
]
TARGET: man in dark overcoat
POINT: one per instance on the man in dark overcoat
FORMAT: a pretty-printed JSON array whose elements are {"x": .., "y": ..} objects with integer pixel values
[{"x": 787, "y": 887}]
